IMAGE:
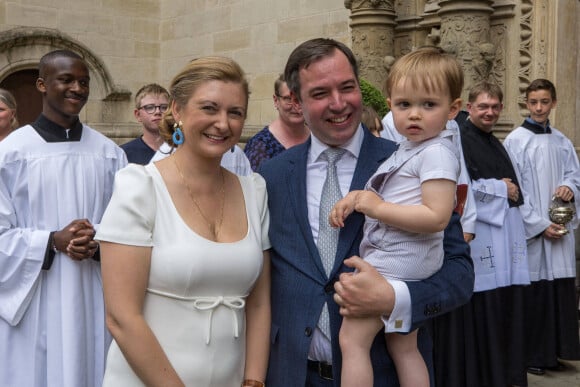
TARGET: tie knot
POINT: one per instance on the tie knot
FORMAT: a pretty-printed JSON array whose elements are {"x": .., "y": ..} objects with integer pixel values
[{"x": 332, "y": 155}]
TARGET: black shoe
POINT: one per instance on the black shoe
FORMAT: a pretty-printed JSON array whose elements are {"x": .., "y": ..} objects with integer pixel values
[{"x": 536, "y": 370}]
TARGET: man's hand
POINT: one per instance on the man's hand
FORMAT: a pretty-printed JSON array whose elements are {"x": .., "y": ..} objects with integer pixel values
[
  {"x": 363, "y": 293},
  {"x": 554, "y": 231},
  {"x": 564, "y": 192},
  {"x": 82, "y": 246},
  {"x": 76, "y": 239},
  {"x": 512, "y": 189},
  {"x": 468, "y": 237}
]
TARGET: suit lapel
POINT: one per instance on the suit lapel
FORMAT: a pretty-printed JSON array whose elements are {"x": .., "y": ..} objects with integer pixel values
[
  {"x": 296, "y": 187},
  {"x": 372, "y": 154}
]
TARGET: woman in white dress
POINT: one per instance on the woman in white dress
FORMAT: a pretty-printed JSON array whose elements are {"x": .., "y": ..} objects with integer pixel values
[{"x": 186, "y": 274}]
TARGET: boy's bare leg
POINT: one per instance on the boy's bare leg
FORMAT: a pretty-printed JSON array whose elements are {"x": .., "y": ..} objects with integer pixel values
[
  {"x": 356, "y": 337},
  {"x": 411, "y": 368}
]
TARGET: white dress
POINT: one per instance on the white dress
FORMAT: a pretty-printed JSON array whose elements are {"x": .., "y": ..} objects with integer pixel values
[{"x": 197, "y": 288}]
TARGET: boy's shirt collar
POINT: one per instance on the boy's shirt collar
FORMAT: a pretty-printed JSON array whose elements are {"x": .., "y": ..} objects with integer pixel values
[{"x": 536, "y": 127}]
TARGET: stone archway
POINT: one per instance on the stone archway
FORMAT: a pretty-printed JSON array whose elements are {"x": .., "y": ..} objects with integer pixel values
[
  {"x": 23, "y": 47},
  {"x": 22, "y": 84}
]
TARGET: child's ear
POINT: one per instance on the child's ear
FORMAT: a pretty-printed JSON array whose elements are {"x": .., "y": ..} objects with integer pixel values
[
  {"x": 389, "y": 103},
  {"x": 454, "y": 109}
]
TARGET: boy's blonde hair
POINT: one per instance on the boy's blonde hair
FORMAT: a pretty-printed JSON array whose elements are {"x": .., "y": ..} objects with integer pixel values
[
  {"x": 428, "y": 68},
  {"x": 150, "y": 89}
]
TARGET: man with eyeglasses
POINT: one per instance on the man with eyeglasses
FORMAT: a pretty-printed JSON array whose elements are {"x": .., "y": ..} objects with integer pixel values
[
  {"x": 493, "y": 343},
  {"x": 151, "y": 101}
]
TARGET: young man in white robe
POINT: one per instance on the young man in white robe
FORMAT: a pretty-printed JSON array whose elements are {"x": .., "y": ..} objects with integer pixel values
[
  {"x": 56, "y": 178},
  {"x": 549, "y": 167}
]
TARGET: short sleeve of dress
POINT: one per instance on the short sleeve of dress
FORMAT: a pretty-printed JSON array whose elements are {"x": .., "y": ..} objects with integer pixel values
[
  {"x": 130, "y": 216},
  {"x": 262, "y": 203}
]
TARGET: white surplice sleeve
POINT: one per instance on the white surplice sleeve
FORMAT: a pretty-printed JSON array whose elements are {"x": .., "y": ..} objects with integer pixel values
[
  {"x": 491, "y": 201},
  {"x": 572, "y": 178},
  {"x": 22, "y": 251},
  {"x": 130, "y": 216},
  {"x": 535, "y": 220}
]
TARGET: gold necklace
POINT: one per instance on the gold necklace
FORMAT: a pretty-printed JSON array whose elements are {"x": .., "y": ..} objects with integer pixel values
[{"x": 214, "y": 229}]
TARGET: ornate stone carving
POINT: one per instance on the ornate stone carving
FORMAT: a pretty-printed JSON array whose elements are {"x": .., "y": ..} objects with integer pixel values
[
  {"x": 483, "y": 61},
  {"x": 524, "y": 72},
  {"x": 465, "y": 28},
  {"x": 372, "y": 23},
  {"x": 358, "y": 4}
]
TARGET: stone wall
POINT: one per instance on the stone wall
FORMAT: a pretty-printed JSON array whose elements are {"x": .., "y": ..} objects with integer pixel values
[
  {"x": 142, "y": 41},
  {"x": 258, "y": 34},
  {"x": 133, "y": 42}
]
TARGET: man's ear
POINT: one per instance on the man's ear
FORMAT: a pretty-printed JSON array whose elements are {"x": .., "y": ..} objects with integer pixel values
[{"x": 40, "y": 86}]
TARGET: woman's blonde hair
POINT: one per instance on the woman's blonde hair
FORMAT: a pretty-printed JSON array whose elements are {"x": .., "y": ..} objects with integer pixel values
[
  {"x": 8, "y": 99},
  {"x": 193, "y": 75},
  {"x": 428, "y": 68}
]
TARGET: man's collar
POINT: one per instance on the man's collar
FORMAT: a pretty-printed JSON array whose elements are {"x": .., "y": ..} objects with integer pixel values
[
  {"x": 53, "y": 132},
  {"x": 352, "y": 146}
]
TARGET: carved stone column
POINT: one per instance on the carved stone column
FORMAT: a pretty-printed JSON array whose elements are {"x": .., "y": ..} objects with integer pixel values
[
  {"x": 465, "y": 32},
  {"x": 373, "y": 31}
]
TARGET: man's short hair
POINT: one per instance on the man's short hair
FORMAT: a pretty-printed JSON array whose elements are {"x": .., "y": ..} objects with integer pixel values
[
  {"x": 312, "y": 51},
  {"x": 48, "y": 58},
  {"x": 492, "y": 89}
]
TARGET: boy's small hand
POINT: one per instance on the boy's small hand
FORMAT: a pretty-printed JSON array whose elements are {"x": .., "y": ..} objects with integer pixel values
[{"x": 342, "y": 209}]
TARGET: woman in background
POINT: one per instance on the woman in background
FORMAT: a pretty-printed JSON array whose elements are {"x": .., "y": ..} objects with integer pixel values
[
  {"x": 284, "y": 132},
  {"x": 8, "y": 121}
]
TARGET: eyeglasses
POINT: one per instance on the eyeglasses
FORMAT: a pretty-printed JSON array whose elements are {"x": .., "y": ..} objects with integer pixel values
[
  {"x": 285, "y": 98},
  {"x": 150, "y": 109}
]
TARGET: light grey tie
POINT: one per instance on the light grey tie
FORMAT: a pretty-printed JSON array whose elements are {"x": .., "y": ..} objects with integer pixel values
[{"x": 327, "y": 235}]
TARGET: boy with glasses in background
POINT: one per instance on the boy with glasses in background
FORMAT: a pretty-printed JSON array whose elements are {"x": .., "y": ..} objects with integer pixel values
[{"x": 151, "y": 101}]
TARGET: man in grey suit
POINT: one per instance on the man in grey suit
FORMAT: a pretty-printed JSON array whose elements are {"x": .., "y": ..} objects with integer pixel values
[{"x": 323, "y": 78}]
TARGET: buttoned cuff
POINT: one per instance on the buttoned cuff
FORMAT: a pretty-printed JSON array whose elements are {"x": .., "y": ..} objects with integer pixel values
[{"x": 400, "y": 318}]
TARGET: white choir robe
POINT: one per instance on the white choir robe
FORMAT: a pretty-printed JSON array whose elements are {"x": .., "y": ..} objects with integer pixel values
[
  {"x": 52, "y": 323},
  {"x": 469, "y": 215},
  {"x": 499, "y": 250},
  {"x": 545, "y": 162}
]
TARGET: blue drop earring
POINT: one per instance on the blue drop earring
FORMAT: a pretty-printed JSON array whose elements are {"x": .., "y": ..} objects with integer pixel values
[{"x": 177, "y": 133}]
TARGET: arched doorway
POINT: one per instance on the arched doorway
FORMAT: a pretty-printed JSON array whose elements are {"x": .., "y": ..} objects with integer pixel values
[{"x": 22, "y": 84}]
